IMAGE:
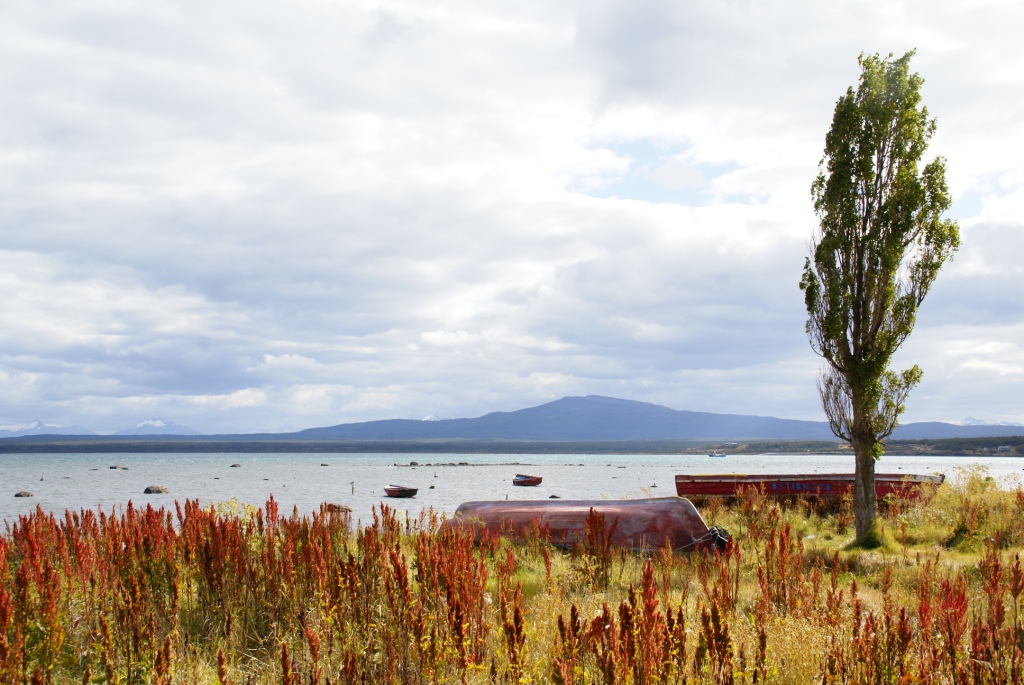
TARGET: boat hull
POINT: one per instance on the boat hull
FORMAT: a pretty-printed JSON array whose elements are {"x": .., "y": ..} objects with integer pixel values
[
  {"x": 400, "y": 491},
  {"x": 526, "y": 481},
  {"x": 802, "y": 485},
  {"x": 638, "y": 524}
]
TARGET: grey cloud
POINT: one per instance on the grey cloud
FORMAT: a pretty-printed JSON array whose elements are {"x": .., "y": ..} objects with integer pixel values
[
  {"x": 283, "y": 217},
  {"x": 708, "y": 53},
  {"x": 982, "y": 284}
]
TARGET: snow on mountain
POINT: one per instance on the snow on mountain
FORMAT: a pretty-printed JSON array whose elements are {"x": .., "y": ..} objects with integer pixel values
[
  {"x": 157, "y": 426},
  {"x": 39, "y": 428},
  {"x": 971, "y": 421}
]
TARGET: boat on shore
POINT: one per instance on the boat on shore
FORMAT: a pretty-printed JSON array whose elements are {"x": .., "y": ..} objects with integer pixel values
[
  {"x": 638, "y": 524},
  {"x": 400, "y": 491},
  {"x": 796, "y": 485},
  {"x": 525, "y": 480}
]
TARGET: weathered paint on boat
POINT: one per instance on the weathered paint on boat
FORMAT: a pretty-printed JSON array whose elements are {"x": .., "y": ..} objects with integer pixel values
[
  {"x": 639, "y": 523},
  {"x": 793, "y": 485},
  {"x": 400, "y": 491}
]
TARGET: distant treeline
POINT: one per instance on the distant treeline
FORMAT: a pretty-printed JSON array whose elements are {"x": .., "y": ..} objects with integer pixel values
[
  {"x": 967, "y": 446},
  {"x": 945, "y": 446},
  {"x": 214, "y": 444},
  {"x": 165, "y": 444}
]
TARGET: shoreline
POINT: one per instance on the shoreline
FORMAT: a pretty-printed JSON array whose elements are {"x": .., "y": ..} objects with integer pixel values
[{"x": 967, "y": 447}]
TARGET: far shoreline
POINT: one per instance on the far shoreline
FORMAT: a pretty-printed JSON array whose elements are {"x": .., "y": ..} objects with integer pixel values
[{"x": 968, "y": 447}]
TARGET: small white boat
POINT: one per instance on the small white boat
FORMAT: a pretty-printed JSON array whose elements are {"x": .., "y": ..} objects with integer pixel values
[{"x": 716, "y": 454}]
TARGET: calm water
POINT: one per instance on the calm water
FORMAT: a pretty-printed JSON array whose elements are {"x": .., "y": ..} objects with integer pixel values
[{"x": 86, "y": 481}]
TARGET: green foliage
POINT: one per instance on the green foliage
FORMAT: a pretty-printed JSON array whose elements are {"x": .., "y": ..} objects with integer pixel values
[
  {"x": 881, "y": 244},
  {"x": 874, "y": 538}
]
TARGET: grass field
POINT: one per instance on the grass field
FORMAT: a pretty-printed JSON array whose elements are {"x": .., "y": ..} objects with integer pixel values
[{"x": 242, "y": 595}]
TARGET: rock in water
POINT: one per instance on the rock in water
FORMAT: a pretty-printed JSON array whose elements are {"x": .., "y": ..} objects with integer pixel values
[
  {"x": 156, "y": 490},
  {"x": 24, "y": 493}
]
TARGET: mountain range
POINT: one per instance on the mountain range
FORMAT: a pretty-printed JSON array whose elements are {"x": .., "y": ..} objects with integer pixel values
[
  {"x": 597, "y": 418},
  {"x": 581, "y": 419},
  {"x": 154, "y": 426},
  {"x": 39, "y": 428}
]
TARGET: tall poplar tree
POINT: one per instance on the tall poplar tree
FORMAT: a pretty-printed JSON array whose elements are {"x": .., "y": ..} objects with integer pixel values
[{"x": 880, "y": 245}]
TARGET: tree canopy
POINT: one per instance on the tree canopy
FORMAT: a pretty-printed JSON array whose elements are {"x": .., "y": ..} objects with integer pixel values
[{"x": 880, "y": 245}]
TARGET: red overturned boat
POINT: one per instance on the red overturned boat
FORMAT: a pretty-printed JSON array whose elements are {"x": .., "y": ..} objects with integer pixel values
[
  {"x": 400, "y": 491},
  {"x": 639, "y": 524},
  {"x": 795, "y": 485},
  {"x": 523, "y": 479}
]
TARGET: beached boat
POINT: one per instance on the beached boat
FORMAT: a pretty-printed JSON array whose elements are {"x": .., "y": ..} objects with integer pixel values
[
  {"x": 793, "y": 485},
  {"x": 637, "y": 524},
  {"x": 523, "y": 479},
  {"x": 400, "y": 491}
]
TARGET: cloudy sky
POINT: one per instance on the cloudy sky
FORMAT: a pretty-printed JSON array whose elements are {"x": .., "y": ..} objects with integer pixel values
[{"x": 257, "y": 215}]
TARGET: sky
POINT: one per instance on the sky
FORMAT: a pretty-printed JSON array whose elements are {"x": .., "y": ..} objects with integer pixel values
[{"x": 264, "y": 216}]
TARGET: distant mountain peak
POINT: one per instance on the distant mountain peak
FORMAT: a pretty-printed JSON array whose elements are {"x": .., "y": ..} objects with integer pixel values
[
  {"x": 38, "y": 427},
  {"x": 32, "y": 425},
  {"x": 600, "y": 418},
  {"x": 591, "y": 417},
  {"x": 157, "y": 426},
  {"x": 971, "y": 421}
]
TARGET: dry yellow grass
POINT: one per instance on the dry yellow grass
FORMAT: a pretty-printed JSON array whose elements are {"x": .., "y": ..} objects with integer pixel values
[{"x": 247, "y": 596}]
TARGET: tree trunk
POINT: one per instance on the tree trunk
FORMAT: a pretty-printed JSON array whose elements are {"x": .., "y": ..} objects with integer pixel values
[{"x": 865, "y": 506}]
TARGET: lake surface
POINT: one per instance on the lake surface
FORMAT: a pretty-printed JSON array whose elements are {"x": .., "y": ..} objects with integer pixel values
[{"x": 304, "y": 481}]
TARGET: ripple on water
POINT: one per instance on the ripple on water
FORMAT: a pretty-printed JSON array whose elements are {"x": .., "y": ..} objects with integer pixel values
[{"x": 302, "y": 481}]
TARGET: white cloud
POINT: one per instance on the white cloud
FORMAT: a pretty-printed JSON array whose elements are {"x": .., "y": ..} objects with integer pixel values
[{"x": 293, "y": 215}]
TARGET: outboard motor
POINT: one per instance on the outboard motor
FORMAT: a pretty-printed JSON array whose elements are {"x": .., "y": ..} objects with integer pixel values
[{"x": 720, "y": 538}]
